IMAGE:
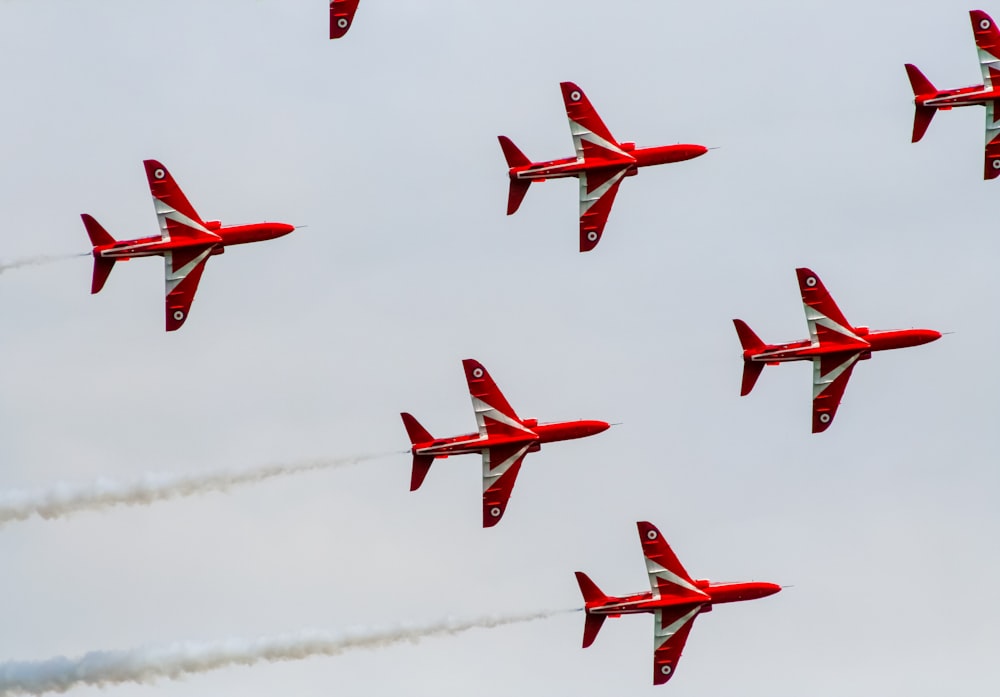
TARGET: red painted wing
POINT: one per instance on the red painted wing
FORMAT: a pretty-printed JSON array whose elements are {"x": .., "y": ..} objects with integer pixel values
[
  {"x": 177, "y": 217},
  {"x": 501, "y": 465},
  {"x": 598, "y": 189},
  {"x": 584, "y": 121},
  {"x": 988, "y": 46},
  {"x": 183, "y": 269},
  {"x": 827, "y": 324},
  {"x": 494, "y": 416},
  {"x": 667, "y": 576},
  {"x": 341, "y": 16},
  {"x": 830, "y": 376},
  {"x": 670, "y": 633},
  {"x": 991, "y": 166}
]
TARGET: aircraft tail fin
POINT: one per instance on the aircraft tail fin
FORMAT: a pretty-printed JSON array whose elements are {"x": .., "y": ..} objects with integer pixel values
[
  {"x": 98, "y": 235},
  {"x": 421, "y": 463},
  {"x": 750, "y": 342},
  {"x": 518, "y": 187},
  {"x": 102, "y": 266},
  {"x": 591, "y": 593},
  {"x": 923, "y": 114},
  {"x": 748, "y": 338},
  {"x": 515, "y": 158}
]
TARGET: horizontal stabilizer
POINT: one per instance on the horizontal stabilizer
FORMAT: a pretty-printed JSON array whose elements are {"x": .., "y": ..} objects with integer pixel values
[
  {"x": 102, "y": 269},
  {"x": 921, "y": 120},
  {"x": 751, "y": 371},
  {"x": 591, "y": 626},
  {"x": 421, "y": 466},
  {"x": 518, "y": 190},
  {"x": 591, "y": 594}
]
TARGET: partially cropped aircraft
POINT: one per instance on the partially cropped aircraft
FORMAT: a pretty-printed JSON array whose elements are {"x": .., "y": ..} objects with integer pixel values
[
  {"x": 341, "y": 16},
  {"x": 503, "y": 440},
  {"x": 185, "y": 242},
  {"x": 600, "y": 164},
  {"x": 834, "y": 346},
  {"x": 675, "y": 600},
  {"x": 929, "y": 99}
]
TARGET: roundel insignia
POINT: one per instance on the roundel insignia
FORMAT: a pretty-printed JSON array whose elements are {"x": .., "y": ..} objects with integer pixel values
[
  {"x": 984, "y": 24},
  {"x": 575, "y": 96},
  {"x": 592, "y": 236},
  {"x": 996, "y": 164},
  {"x": 178, "y": 315},
  {"x": 159, "y": 174},
  {"x": 651, "y": 535},
  {"x": 495, "y": 511},
  {"x": 811, "y": 281},
  {"x": 478, "y": 373},
  {"x": 342, "y": 23},
  {"x": 825, "y": 418},
  {"x": 666, "y": 670}
]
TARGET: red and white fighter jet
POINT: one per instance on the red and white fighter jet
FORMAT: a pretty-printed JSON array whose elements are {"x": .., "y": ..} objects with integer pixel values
[
  {"x": 929, "y": 99},
  {"x": 341, "y": 16},
  {"x": 503, "y": 441},
  {"x": 185, "y": 242},
  {"x": 674, "y": 601},
  {"x": 834, "y": 347},
  {"x": 600, "y": 164}
]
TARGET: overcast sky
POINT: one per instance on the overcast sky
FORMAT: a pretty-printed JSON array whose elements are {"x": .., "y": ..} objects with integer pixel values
[{"x": 384, "y": 144}]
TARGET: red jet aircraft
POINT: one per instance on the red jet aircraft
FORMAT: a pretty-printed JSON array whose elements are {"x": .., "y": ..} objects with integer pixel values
[
  {"x": 503, "y": 440},
  {"x": 341, "y": 16},
  {"x": 834, "y": 346},
  {"x": 929, "y": 99},
  {"x": 674, "y": 601},
  {"x": 600, "y": 164},
  {"x": 185, "y": 242}
]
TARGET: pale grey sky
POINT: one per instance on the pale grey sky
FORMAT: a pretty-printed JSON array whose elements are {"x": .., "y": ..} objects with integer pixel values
[{"x": 384, "y": 144}]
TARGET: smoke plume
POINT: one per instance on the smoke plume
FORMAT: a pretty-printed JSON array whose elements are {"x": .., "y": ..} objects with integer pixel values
[
  {"x": 146, "y": 665},
  {"x": 63, "y": 499},
  {"x": 37, "y": 260}
]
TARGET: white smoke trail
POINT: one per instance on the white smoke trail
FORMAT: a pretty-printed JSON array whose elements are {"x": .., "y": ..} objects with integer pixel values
[
  {"x": 147, "y": 664},
  {"x": 64, "y": 498},
  {"x": 38, "y": 260}
]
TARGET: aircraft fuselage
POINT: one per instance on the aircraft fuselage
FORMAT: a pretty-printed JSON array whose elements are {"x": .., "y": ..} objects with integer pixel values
[
  {"x": 534, "y": 433},
  {"x": 640, "y": 157},
  {"x": 871, "y": 340},
  {"x": 963, "y": 96},
  {"x": 716, "y": 593},
  {"x": 157, "y": 246}
]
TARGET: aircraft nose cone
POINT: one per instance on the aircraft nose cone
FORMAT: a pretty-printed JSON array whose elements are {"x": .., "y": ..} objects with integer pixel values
[
  {"x": 283, "y": 228},
  {"x": 767, "y": 589},
  {"x": 594, "y": 427},
  {"x": 928, "y": 335}
]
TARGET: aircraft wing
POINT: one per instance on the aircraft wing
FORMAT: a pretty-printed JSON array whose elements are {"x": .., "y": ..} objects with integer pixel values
[
  {"x": 830, "y": 376},
  {"x": 182, "y": 271},
  {"x": 598, "y": 189},
  {"x": 987, "y": 45},
  {"x": 501, "y": 465},
  {"x": 341, "y": 16},
  {"x": 591, "y": 138},
  {"x": 991, "y": 168},
  {"x": 177, "y": 217},
  {"x": 670, "y": 633},
  {"x": 666, "y": 575},
  {"x": 494, "y": 416},
  {"x": 827, "y": 324}
]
